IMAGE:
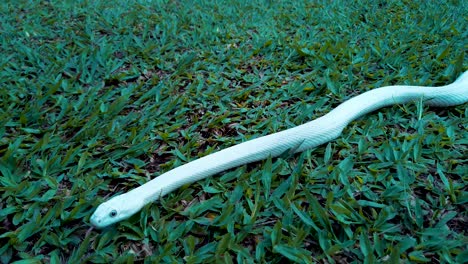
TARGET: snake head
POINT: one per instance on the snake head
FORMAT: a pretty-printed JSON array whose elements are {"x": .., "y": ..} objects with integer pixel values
[{"x": 116, "y": 209}]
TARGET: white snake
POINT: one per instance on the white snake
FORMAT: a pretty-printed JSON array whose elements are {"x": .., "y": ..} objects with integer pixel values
[{"x": 297, "y": 139}]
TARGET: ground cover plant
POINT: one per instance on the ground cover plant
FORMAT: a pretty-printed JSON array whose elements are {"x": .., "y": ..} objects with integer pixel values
[{"x": 98, "y": 97}]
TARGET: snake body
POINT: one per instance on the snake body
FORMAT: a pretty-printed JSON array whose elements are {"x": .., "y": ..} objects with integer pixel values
[{"x": 296, "y": 139}]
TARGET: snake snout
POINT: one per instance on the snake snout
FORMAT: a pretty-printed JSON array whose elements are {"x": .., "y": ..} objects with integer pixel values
[{"x": 95, "y": 221}]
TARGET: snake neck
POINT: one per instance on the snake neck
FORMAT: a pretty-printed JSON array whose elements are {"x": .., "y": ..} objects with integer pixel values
[{"x": 295, "y": 140}]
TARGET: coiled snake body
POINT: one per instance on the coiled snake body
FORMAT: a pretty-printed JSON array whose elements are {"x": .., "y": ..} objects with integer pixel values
[{"x": 297, "y": 139}]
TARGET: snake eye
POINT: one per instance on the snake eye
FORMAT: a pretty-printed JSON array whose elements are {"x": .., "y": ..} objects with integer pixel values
[{"x": 113, "y": 213}]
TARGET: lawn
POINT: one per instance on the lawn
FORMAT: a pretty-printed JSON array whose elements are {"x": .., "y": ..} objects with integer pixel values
[{"x": 98, "y": 97}]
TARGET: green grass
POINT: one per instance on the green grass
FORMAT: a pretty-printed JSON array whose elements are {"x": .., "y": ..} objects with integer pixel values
[{"x": 97, "y": 97}]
